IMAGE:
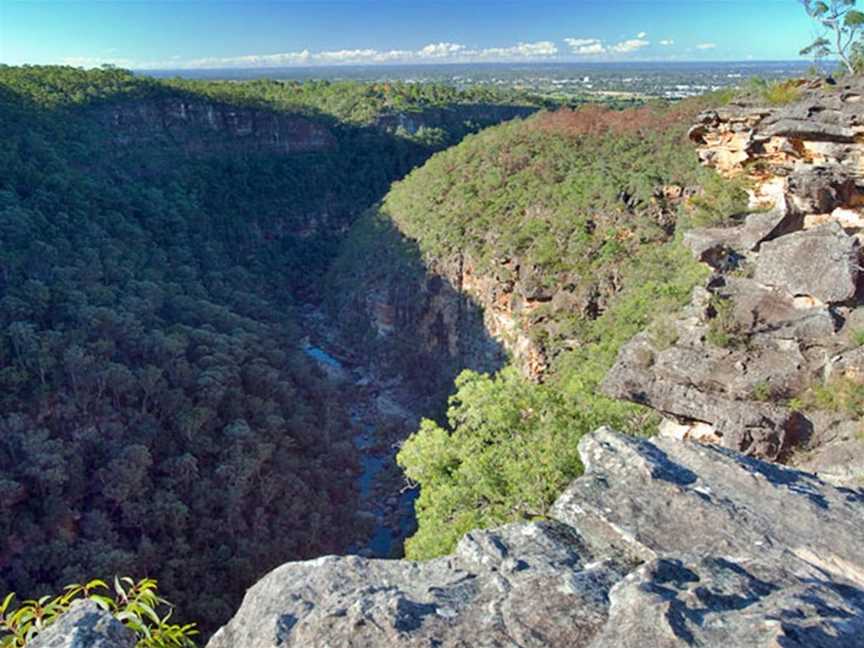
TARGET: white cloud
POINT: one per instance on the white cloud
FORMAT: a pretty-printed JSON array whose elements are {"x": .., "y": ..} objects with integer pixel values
[
  {"x": 667, "y": 42},
  {"x": 585, "y": 46},
  {"x": 706, "y": 46},
  {"x": 442, "y": 50},
  {"x": 592, "y": 46},
  {"x": 632, "y": 45},
  {"x": 433, "y": 52},
  {"x": 540, "y": 49}
]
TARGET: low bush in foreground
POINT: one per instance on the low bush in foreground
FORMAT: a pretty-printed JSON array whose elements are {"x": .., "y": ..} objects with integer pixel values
[{"x": 136, "y": 605}]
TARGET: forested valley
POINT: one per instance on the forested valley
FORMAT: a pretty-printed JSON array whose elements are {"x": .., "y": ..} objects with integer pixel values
[
  {"x": 157, "y": 416},
  {"x": 159, "y": 241}
]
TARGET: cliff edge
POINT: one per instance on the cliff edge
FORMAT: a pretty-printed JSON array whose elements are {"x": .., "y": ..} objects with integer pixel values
[{"x": 660, "y": 543}]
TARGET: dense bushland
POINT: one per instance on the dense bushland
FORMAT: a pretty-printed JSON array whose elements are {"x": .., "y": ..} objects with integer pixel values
[
  {"x": 593, "y": 201},
  {"x": 156, "y": 415}
]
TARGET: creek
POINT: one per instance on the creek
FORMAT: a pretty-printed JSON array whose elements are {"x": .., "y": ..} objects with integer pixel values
[{"x": 385, "y": 500}]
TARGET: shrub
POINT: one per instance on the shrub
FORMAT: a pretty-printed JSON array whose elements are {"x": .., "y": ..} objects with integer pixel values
[
  {"x": 776, "y": 93},
  {"x": 841, "y": 394},
  {"x": 720, "y": 200},
  {"x": 508, "y": 451},
  {"x": 136, "y": 605},
  {"x": 723, "y": 329}
]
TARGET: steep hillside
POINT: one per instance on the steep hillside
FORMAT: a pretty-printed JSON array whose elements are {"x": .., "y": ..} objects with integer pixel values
[
  {"x": 157, "y": 413},
  {"x": 551, "y": 240}
]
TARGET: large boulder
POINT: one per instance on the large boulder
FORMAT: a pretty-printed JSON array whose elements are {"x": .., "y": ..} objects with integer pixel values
[
  {"x": 660, "y": 543},
  {"x": 711, "y": 385},
  {"x": 821, "y": 263},
  {"x": 85, "y": 625}
]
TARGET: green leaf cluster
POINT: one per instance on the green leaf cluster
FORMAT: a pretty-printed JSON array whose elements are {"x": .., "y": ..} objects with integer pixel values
[{"x": 136, "y": 605}]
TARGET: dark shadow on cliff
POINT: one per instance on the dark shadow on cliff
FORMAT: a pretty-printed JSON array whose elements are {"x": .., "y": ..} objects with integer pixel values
[{"x": 407, "y": 320}]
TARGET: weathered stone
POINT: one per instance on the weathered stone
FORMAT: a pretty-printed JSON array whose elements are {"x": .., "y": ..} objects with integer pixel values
[
  {"x": 520, "y": 585},
  {"x": 665, "y": 496},
  {"x": 719, "y": 247},
  {"x": 821, "y": 262},
  {"x": 834, "y": 449},
  {"x": 687, "y": 600},
  {"x": 736, "y": 552},
  {"x": 758, "y": 309},
  {"x": 85, "y": 625},
  {"x": 819, "y": 190},
  {"x": 712, "y": 386}
]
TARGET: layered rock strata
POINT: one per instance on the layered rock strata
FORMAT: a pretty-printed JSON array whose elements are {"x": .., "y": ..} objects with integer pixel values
[{"x": 782, "y": 313}]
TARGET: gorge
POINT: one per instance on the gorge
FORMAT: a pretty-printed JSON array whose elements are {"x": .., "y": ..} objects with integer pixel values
[{"x": 232, "y": 305}]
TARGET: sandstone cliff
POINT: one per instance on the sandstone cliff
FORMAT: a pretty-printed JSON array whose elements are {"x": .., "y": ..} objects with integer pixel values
[
  {"x": 781, "y": 316},
  {"x": 200, "y": 126}
]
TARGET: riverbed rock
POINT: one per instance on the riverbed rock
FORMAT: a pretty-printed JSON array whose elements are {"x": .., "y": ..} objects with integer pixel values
[
  {"x": 85, "y": 625},
  {"x": 660, "y": 543}
]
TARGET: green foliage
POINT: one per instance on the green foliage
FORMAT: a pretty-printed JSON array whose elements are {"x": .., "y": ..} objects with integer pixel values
[
  {"x": 156, "y": 412},
  {"x": 509, "y": 449},
  {"x": 579, "y": 200},
  {"x": 719, "y": 201},
  {"x": 774, "y": 93},
  {"x": 841, "y": 25},
  {"x": 136, "y": 605},
  {"x": 858, "y": 337},
  {"x": 842, "y": 394},
  {"x": 762, "y": 391},
  {"x": 723, "y": 329}
]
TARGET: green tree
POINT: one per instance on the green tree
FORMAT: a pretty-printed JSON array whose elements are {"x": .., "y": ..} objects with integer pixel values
[
  {"x": 510, "y": 449},
  {"x": 841, "y": 24}
]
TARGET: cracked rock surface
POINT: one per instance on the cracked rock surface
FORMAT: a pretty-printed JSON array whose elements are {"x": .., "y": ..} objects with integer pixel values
[{"x": 660, "y": 543}]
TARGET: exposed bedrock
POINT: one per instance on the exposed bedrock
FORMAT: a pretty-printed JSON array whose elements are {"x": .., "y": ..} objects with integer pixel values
[
  {"x": 781, "y": 315},
  {"x": 660, "y": 543}
]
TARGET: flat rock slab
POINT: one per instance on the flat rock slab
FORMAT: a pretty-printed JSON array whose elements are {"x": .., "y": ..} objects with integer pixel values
[
  {"x": 666, "y": 496},
  {"x": 661, "y": 543},
  {"x": 821, "y": 262},
  {"x": 687, "y": 600}
]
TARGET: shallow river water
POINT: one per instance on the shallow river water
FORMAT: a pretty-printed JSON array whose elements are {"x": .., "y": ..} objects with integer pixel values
[{"x": 393, "y": 510}]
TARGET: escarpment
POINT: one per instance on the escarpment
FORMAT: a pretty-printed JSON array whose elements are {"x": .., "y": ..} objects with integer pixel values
[
  {"x": 767, "y": 359},
  {"x": 201, "y": 127}
]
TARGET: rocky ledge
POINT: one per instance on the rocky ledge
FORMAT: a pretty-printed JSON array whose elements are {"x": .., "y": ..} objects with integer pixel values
[
  {"x": 782, "y": 315},
  {"x": 660, "y": 543}
]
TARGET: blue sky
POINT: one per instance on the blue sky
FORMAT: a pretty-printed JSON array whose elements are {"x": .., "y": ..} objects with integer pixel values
[{"x": 253, "y": 33}]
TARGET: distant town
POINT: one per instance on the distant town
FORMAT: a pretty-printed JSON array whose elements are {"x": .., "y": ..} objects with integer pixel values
[{"x": 559, "y": 81}]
